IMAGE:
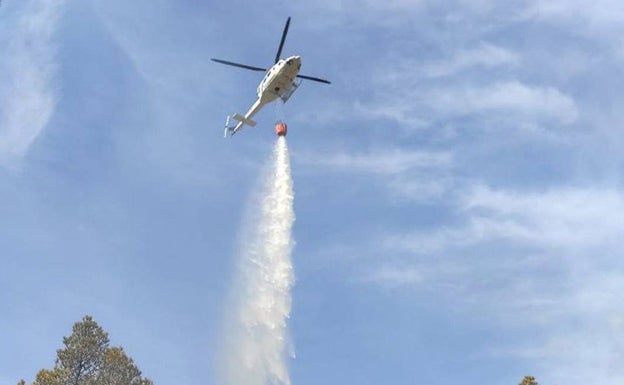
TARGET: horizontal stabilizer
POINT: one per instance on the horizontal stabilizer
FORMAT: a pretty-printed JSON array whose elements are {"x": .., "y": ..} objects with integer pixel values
[{"x": 241, "y": 118}]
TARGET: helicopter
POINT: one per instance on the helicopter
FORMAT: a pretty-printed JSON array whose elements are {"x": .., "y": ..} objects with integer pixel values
[{"x": 280, "y": 81}]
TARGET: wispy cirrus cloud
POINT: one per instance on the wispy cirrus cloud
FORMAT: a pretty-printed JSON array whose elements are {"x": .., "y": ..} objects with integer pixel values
[
  {"x": 559, "y": 220},
  {"x": 394, "y": 277},
  {"x": 598, "y": 15},
  {"x": 513, "y": 100},
  {"x": 601, "y": 20},
  {"x": 512, "y": 97},
  {"x": 465, "y": 83},
  {"x": 563, "y": 218},
  {"x": 486, "y": 55},
  {"x": 380, "y": 162},
  {"x": 416, "y": 175},
  {"x": 27, "y": 93},
  {"x": 544, "y": 260}
]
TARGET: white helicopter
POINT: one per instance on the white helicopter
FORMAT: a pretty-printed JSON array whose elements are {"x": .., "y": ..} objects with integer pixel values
[{"x": 279, "y": 82}]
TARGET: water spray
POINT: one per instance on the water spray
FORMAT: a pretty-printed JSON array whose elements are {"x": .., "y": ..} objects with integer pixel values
[{"x": 258, "y": 342}]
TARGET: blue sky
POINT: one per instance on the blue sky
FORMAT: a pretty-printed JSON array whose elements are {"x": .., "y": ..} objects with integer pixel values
[{"x": 459, "y": 190}]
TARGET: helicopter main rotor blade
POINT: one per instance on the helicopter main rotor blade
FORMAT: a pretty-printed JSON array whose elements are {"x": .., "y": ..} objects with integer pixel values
[
  {"x": 279, "y": 50},
  {"x": 314, "y": 79},
  {"x": 245, "y": 66}
]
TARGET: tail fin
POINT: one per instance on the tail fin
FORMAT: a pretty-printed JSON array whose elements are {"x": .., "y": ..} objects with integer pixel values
[
  {"x": 250, "y": 122},
  {"x": 231, "y": 130}
]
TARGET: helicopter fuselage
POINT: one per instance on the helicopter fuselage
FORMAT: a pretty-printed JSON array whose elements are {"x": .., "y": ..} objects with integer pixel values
[{"x": 279, "y": 79}]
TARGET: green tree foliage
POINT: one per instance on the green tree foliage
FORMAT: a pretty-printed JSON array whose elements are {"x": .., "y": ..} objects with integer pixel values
[
  {"x": 50, "y": 377},
  {"x": 87, "y": 359},
  {"x": 529, "y": 380},
  {"x": 118, "y": 369},
  {"x": 83, "y": 354}
]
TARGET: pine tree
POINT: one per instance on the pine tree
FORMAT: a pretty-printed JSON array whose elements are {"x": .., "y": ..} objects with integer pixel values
[
  {"x": 529, "y": 380},
  {"x": 84, "y": 351},
  {"x": 50, "y": 377},
  {"x": 119, "y": 369},
  {"x": 87, "y": 359}
]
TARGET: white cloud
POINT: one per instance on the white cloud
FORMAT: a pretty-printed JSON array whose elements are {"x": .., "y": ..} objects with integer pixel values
[
  {"x": 394, "y": 5},
  {"x": 564, "y": 218},
  {"x": 425, "y": 99},
  {"x": 416, "y": 176},
  {"x": 521, "y": 100},
  {"x": 546, "y": 261},
  {"x": 599, "y": 14},
  {"x": 27, "y": 95},
  {"x": 393, "y": 277},
  {"x": 401, "y": 110},
  {"x": 421, "y": 187},
  {"x": 388, "y": 162},
  {"x": 585, "y": 342},
  {"x": 364, "y": 10},
  {"x": 601, "y": 20},
  {"x": 485, "y": 55}
]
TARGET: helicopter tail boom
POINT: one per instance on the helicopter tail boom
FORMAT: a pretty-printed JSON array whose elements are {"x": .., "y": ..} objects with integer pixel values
[{"x": 248, "y": 121}]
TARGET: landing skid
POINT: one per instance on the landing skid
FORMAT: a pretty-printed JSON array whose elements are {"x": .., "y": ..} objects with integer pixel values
[{"x": 228, "y": 129}]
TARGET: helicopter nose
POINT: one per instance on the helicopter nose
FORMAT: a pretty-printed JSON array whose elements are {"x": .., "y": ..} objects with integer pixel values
[{"x": 294, "y": 60}]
